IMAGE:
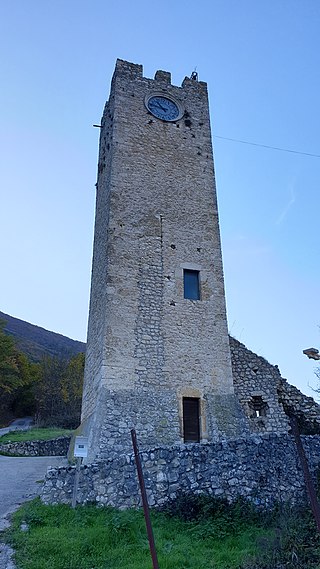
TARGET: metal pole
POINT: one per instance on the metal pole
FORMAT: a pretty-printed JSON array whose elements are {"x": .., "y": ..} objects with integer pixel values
[
  {"x": 306, "y": 472},
  {"x": 144, "y": 501},
  {"x": 76, "y": 483}
]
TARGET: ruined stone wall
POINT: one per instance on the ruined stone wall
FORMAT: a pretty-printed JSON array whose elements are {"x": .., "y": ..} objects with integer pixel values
[
  {"x": 259, "y": 385},
  {"x": 304, "y": 408},
  {"x": 256, "y": 384},
  {"x": 263, "y": 468}
]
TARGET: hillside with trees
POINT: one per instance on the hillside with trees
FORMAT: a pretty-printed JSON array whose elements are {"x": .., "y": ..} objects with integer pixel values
[
  {"x": 41, "y": 374},
  {"x": 36, "y": 342}
]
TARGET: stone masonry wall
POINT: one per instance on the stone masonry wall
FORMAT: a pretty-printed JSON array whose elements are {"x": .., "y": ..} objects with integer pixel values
[
  {"x": 257, "y": 381},
  {"x": 306, "y": 410},
  {"x": 156, "y": 216},
  {"x": 54, "y": 447},
  {"x": 262, "y": 468}
]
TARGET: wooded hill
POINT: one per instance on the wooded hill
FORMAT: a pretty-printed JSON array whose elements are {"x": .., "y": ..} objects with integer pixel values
[{"x": 36, "y": 342}]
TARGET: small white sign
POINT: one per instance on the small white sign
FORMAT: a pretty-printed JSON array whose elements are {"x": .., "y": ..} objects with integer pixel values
[{"x": 81, "y": 447}]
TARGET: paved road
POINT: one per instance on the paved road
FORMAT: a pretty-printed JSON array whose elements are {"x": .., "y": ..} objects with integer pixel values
[
  {"x": 19, "y": 481},
  {"x": 22, "y": 424}
]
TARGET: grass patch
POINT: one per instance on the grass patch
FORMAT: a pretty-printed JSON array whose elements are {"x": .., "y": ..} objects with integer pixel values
[
  {"x": 104, "y": 538},
  {"x": 87, "y": 537},
  {"x": 33, "y": 435}
]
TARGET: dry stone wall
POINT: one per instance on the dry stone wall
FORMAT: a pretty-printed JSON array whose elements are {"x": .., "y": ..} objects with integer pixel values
[
  {"x": 262, "y": 468},
  {"x": 54, "y": 447}
]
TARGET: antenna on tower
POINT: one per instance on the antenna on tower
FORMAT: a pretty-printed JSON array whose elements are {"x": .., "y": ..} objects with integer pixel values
[{"x": 194, "y": 75}]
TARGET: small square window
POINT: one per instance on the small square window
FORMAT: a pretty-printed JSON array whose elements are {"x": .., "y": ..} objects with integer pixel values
[{"x": 191, "y": 284}]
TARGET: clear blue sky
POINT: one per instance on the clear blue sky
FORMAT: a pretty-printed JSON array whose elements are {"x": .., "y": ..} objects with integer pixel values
[{"x": 261, "y": 62}]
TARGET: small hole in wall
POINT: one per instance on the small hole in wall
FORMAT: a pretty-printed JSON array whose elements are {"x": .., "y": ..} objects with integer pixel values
[
  {"x": 168, "y": 277},
  {"x": 172, "y": 246},
  {"x": 199, "y": 249},
  {"x": 255, "y": 369},
  {"x": 150, "y": 121},
  {"x": 178, "y": 126},
  {"x": 188, "y": 122},
  {"x": 172, "y": 303}
]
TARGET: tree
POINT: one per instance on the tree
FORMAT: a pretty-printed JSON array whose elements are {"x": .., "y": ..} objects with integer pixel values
[
  {"x": 59, "y": 391},
  {"x": 72, "y": 386},
  {"x": 17, "y": 376},
  {"x": 12, "y": 365}
]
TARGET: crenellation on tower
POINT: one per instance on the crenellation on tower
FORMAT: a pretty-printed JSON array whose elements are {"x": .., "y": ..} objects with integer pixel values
[
  {"x": 163, "y": 76},
  {"x": 131, "y": 70}
]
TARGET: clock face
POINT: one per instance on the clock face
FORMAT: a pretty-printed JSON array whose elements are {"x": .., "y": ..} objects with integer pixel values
[{"x": 163, "y": 108}]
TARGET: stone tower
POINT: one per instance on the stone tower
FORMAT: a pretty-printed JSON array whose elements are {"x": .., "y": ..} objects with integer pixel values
[{"x": 158, "y": 355}]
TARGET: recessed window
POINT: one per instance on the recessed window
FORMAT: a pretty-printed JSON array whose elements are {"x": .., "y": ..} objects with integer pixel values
[
  {"x": 258, "y": 407},
  {"x": 191, "y": 284},
  {"x": 191, "y": 419}
]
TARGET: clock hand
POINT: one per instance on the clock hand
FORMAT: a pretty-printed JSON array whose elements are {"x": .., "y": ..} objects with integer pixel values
[{"x": 157, "y": 104}]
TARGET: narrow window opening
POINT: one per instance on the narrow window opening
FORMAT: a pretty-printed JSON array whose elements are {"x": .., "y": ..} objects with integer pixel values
[
  {"x": 259, "y": 408},
  {"x": 191, "y": 284},
  {"x": 191, "y": 419}
]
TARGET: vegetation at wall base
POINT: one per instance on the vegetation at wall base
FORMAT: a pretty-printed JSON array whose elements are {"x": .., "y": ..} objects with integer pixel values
[
  {"x": 217, "y": 537},
  {"x": 34, "y": 434}
]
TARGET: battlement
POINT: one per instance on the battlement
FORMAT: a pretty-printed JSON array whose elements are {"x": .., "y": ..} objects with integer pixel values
[{"x": 133, "y": 71}]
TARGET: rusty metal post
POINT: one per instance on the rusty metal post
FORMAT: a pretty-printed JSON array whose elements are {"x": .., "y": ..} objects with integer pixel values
[
  {"x": 306, "y": 472},
  {"x": 144, "y": 501}
]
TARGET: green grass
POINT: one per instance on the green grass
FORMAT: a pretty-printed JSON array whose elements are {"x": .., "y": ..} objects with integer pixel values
[
  {"x": 218, "y": 536},
  {"x": 103, "y": 538},
  {"x": 33, "y": 435}
]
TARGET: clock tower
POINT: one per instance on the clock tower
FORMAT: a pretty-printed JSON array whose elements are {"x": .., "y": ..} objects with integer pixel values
[{"x": 158, "y": 356}]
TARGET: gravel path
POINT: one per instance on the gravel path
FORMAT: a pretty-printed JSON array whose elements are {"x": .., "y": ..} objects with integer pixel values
[
  {"x": 6, "y": 554},
  {"x": 20, "y": 480}
]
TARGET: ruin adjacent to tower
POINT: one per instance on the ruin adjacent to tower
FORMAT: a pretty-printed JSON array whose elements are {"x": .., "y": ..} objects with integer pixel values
[{"x": 158, "y": 356}]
